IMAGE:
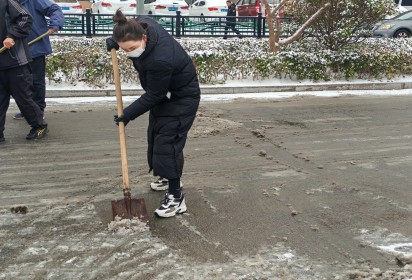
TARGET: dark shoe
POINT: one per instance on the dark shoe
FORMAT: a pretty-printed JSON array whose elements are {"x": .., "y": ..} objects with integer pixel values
[
  {"x": 38, "y": 133},
  {"x": 2, "y": 139},
  {"x": 18, "y": 116}
]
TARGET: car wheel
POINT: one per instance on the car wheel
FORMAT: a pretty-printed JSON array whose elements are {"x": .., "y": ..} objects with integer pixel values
[{"x": 402, "y": 33}]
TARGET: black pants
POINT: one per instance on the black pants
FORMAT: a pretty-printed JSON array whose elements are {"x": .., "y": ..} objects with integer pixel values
[
  {"x": 18, "y": 82},
  {"x": 166, "y": 140},
  {"x": 231, "y": 25},
  {"x": 38, "y": 68}
]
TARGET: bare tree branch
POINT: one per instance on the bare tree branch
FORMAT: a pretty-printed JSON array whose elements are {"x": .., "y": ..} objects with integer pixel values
[
  {"x": 307, "y": 24},
  {"x": 277, "y": 8}
]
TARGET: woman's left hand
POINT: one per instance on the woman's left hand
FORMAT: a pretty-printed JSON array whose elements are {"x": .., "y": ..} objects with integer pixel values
[{"x": 121, "y": 118}]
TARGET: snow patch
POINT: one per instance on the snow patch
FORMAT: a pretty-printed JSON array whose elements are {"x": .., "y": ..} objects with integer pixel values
[
  {"x": 127, "y": 226},
  {"x": 387, "y": 242}
]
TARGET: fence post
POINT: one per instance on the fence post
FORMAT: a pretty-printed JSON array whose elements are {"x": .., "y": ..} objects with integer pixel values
[
  {"x": 88, "y": 23},
  {"x": 178, "y": 17},
  {"x": 259, "y": 25}
]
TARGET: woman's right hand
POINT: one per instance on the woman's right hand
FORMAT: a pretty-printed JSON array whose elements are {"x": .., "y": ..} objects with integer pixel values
[{"x": 111, "y": 44}]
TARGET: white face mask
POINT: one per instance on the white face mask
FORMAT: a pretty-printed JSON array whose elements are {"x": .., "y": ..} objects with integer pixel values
[{"x": 137, "y": 52}]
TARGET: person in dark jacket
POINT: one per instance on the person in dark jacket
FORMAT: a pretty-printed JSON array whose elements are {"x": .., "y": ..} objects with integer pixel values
[
  {"x": 231, "y": 19},
  {"x": 40, "y": 9},
  {"x": 172, "y": 95},
  {"x": 15, "y": 75}
]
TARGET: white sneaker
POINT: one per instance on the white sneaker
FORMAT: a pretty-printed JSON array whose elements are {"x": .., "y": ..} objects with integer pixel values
[
  {"x": 171, "y": 206},
  {"x": 161, "y": 184}
]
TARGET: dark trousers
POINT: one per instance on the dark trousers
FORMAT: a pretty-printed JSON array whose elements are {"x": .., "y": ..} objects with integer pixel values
[
  {"x": 231, "y": 25},
  {"x": 166, "y": 138},
  {"x": 18, "y": 82},
  {"x": 38, "y": 68}
]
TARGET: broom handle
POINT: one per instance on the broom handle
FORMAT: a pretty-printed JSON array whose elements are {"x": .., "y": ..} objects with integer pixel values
[
  {"x": 31, "y": 42},
  {"x": 122, "y": 131},
  {"x": 38, "y": 38}
]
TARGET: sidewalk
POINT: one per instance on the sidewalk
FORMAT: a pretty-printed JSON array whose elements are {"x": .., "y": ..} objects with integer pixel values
[{"x": 242, "y": 86}]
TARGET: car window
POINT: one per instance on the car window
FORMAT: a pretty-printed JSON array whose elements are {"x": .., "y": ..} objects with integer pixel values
[
  {"x": 405, "y": 16},
  {"x": 149, "y": 1},
  {"x": 404, "y": 2},
  {"x": 201, "y": 3},
  {"x": 252, "y": 2},
  {"x": 196, "y": 3}
]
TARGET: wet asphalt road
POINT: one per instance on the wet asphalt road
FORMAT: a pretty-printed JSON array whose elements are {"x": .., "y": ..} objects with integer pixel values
[{"x": 307, "y": 174}]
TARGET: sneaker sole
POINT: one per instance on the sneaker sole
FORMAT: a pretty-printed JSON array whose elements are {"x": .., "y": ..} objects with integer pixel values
[
  {"x": 157, "y": 187},
  {"x": 171, "y": 214}
]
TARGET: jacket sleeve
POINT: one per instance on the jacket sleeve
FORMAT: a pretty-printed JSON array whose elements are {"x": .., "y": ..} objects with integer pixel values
[
  {"x": 52, "y": 11},
  {"x": 158, "y": 79},
  {"x": 20, "y": 20}
]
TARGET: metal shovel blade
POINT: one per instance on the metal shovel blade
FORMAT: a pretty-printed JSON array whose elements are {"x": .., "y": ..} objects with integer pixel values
[{"x": 128, "y": 208}]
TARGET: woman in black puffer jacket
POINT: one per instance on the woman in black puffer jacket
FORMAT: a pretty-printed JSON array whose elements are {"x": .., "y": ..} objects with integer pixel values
[{"x": 172, "y": 96}]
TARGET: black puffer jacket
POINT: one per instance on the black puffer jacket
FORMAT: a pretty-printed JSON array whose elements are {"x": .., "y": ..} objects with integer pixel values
[
  {"x": 164, "y": 67},
  {"x": 172, "y": 95},
  {"x": 15, "y": 22}
]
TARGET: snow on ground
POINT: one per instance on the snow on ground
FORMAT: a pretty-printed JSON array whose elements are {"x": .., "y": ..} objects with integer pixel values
[
  {"x": 238, "y": 83},
  {"x": 70, "y": 260},
  {"x": 229, "y": 97}
]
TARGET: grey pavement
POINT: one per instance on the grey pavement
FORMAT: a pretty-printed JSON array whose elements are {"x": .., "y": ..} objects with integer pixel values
[
  {"x": 299, "y": 188},
  {"x": 253, "y": 88}
]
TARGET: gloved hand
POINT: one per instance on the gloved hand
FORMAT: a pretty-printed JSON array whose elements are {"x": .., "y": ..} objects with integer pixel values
[
  {"x": 111, "y": 44},
  {"x": 121, "y": 118}
]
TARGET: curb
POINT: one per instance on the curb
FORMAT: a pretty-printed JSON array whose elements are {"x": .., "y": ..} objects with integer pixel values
[{"x": 243, "y": 89}]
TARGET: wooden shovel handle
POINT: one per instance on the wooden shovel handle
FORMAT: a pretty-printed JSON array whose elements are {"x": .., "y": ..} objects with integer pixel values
[
  {"x": 122, "y": 131},
  {"x": 31, "y": 42}
]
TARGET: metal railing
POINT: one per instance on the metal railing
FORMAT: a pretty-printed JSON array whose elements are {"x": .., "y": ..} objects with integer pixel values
[{"x": 89, "y": 25}]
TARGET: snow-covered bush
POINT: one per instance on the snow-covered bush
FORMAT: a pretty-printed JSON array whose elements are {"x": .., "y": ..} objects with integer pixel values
[
  {"x": 344, "y": 22},
  {"x": 79, "y": 59},
  {"x": 218, "y": 60}
]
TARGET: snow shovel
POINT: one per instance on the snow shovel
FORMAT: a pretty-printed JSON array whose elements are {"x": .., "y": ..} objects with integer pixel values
[
  {"x": 126, "y": 208},
  {"x": 31, "y": 42}
]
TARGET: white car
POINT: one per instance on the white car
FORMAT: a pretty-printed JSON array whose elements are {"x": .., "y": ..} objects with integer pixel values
[
  {"x": 208, "y": 8},
  {"x": 70, "y": 6},
  {"x": 166, "y": 7},
  {"x": 404, "y": 5},
  {"x": 111, "y": 6}
]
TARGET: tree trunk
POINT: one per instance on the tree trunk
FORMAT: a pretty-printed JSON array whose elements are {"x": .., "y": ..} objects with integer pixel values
[
  {"x": 274, "y": 24},
  {"x": 270, "y": 26}
]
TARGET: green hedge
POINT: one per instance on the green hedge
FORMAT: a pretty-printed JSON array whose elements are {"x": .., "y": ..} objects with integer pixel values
[{"x": 218, "y": 60}]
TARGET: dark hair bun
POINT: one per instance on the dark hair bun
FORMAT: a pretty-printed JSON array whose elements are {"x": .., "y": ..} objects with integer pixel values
[{"x": 119, "y": 17}]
